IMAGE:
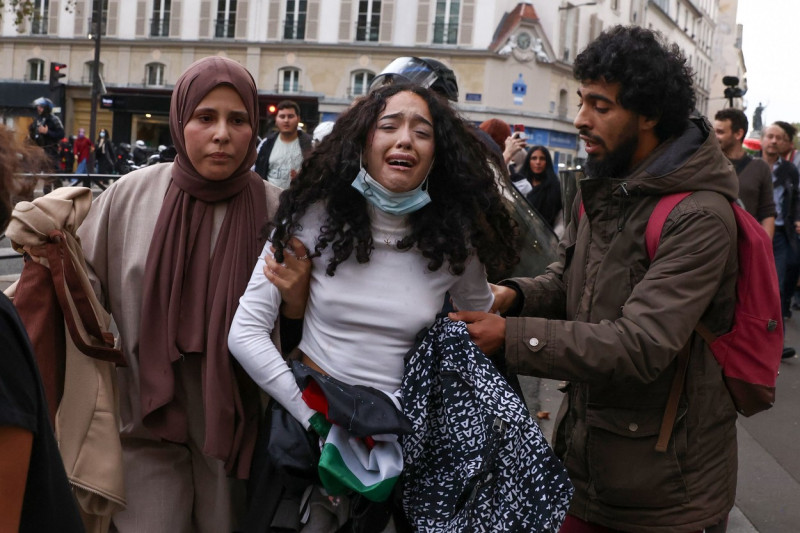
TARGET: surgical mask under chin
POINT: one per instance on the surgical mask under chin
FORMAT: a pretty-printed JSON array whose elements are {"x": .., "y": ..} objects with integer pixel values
[{"x": 396, "y": 203}]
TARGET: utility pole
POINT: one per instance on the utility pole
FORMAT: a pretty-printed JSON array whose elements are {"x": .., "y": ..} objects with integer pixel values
[{"x": 97, "y": 30}]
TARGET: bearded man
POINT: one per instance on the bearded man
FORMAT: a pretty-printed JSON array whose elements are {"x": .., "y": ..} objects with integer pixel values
[{"x": 611, "y": 321}]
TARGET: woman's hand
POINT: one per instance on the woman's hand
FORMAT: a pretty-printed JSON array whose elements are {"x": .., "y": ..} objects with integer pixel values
[
  {"x": 291, "y": 277},
  {"x": 512, "y": 146},
  {"x": 504, "y": 298},
  {"x": 487, "y": 330}
]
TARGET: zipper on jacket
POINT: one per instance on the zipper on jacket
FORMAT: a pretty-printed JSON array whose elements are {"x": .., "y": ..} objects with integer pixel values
[
  {"x": 622, "y": 217},
  {"x": 96, "y": 492}
]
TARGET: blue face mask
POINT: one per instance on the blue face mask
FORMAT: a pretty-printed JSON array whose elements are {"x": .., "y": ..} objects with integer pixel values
[{"x": 396, "y": 203}]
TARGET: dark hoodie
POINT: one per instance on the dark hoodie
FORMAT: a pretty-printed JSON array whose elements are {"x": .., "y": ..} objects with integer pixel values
[{"x": 612, "y": 324}]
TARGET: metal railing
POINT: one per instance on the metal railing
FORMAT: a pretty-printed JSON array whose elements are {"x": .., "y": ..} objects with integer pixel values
[
  {"x": 159, "y": 27},
  {"x": 224, "y": 29}
]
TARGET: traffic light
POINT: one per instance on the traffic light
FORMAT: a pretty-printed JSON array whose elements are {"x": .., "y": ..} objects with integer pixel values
[{"x": 56, "y": 73}]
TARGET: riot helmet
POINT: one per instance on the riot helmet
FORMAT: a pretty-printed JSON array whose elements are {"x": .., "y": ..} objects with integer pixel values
[
  {"x": 424, "y": 71},
  {"x": 46, "y": 103}
]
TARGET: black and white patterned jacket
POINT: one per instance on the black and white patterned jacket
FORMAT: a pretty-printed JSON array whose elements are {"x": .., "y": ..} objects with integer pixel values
[{"x": 475, "y": 459}]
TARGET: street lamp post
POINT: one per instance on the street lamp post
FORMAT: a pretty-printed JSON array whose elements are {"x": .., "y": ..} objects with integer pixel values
[{"x": 97, "y": 30}]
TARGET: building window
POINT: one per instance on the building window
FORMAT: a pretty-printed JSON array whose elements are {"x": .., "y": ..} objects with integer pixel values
[
  {"x": 369, "y": 20},
  {"x": 294, "y": 27},
  {"x": 159, "y": 24},
  {"x": 226, "y": 19},
  {"x": 35, "y": 70},
  {"x": 663, "y": 5},
  {"x": 88, "y": 72},
  {"x": 103, "y": 17},
  {"x": 39, "y": 17},
  {"x": 154, "y": 74},
  {"x": 445, "y": 26},
  {"x": 289, "y": 80},
  {"x": 569, "y": 23},
  {"x": 562, "y": 104},
  {"x": 359, "y": 84}
]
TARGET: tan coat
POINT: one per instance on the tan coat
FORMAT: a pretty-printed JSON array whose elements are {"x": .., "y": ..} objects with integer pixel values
[
  {"x": 116, "y": 238},
  {"x": 87, "y": 419},
  {"x": 612, "y": 323}
]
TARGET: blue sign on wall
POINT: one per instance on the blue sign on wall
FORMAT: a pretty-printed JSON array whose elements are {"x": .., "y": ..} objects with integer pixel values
[
  {"x": 473, "y": 97},
  {"x": 519, "y": 89}
]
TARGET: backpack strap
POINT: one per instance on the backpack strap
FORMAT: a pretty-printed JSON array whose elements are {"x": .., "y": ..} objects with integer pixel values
[
  {"x": 652, "y": 236},
  {"x": 655, "y": 224},
  {"x": 671, "y": 410}
]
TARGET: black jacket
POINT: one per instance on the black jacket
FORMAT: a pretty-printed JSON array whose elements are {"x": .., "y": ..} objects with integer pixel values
[
  {"x": 264, "y": 151},
  {"x": 785, "y": 175},
  {"x": 55, "y": 132}
]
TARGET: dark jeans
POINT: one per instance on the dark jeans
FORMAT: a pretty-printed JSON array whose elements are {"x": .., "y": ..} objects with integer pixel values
[{"x": 787, "y": 265}]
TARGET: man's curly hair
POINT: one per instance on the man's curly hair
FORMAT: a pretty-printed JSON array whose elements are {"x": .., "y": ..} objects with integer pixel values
[
  {"x": 655, "y": 79},
  {"x": 466, "y": 210}
]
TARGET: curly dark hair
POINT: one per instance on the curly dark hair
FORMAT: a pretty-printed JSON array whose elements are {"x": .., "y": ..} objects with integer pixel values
[
  {"x": 466, "y": 209},
  {"x": 655, "y": 79}
]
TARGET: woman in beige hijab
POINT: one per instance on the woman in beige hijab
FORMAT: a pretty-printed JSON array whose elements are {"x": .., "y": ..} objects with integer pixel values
[{"x": 172, "y": 247}]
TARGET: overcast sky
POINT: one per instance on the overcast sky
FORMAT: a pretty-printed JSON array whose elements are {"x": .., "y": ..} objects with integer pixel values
[{"x": 770, "y": 39}]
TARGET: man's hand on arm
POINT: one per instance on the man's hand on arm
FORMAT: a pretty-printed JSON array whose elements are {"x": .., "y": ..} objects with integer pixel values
[{"x": 487, "y": 330}]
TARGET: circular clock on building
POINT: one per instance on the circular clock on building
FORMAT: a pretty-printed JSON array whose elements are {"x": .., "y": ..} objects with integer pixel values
[{"x": 524, "y": 40}]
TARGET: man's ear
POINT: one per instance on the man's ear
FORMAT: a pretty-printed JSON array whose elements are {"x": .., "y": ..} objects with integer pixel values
[
  {"x": 647, "y": 123},
  {"x": 739, "y": 135}
]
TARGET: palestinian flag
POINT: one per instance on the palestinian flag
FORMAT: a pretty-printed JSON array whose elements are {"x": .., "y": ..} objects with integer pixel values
[{"x": 368, "y": 465}]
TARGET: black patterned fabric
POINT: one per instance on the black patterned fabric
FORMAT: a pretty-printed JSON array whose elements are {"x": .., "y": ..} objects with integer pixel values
[{"x": 475, "y": 460}]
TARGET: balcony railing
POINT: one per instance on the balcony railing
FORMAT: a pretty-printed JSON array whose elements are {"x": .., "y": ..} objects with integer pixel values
[
  {"x": 294, "y": 30},
  {"x": 159, "y": 27},
  {"x": 367, "y": 32},
  {"x": 38, "y": 25},
  {"x": 224, "y": 29},
  {"x": 444, "y": 33}
]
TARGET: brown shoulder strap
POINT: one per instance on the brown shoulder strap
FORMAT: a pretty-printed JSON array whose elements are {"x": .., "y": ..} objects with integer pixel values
[
  {"x": 671, "y": 411},
  {"x": 78, "y": 314}
]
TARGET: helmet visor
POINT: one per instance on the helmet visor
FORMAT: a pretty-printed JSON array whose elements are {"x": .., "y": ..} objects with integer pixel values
[{"x": 405, "y": 70}]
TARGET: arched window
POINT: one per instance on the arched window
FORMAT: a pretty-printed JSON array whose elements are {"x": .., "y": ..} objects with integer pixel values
[
  {"x": 289, "y": 80},
  {"x": 154, "y": 74},
  {"x": 359, "y": 82},
  {"x": 36, "y": 70}
]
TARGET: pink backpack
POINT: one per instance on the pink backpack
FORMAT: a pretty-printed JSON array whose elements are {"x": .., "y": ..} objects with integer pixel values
[{"x": 750, "y": 353}]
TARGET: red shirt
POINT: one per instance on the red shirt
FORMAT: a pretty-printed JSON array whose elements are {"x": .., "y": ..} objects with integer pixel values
[{"x": 82, "y": 148}]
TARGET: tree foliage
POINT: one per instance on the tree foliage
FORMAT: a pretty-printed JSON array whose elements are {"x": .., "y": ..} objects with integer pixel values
[{"x": 22, "y": 10}]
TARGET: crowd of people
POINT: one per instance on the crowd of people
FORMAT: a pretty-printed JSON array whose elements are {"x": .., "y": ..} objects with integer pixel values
[{"x": 253, "y": 283}]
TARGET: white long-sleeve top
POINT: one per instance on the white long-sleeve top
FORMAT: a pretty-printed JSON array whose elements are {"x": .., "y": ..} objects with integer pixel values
[{"x": 360, "y": 323}]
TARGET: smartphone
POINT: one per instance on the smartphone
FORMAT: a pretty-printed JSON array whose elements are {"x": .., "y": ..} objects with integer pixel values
[{"x": 519, "y": 132}]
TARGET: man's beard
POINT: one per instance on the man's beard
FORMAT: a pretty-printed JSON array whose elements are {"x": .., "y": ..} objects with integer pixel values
[{"x": 615, "y": 163}]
